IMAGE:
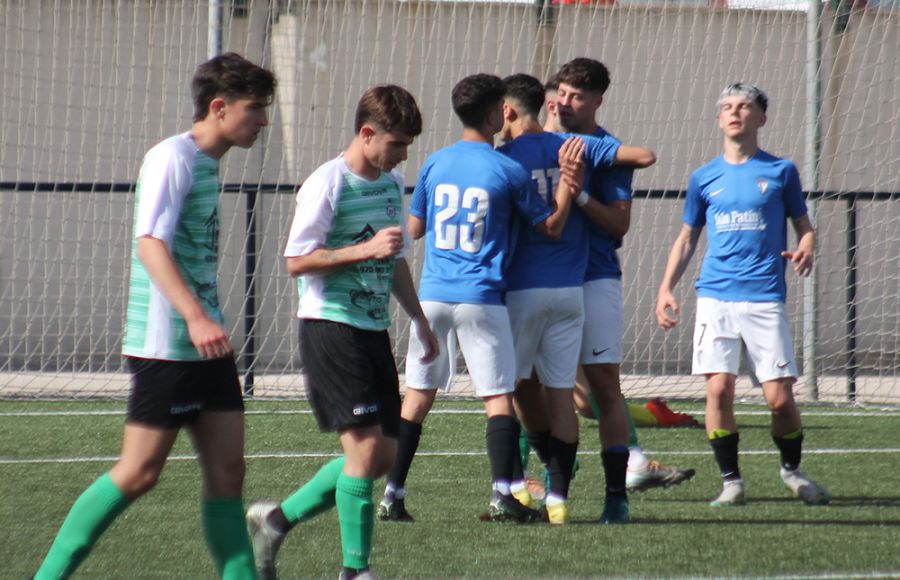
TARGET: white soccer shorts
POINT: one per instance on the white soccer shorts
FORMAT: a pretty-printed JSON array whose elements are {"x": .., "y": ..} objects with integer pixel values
[
  {"x": 483, "y": 334},
  {"x": 546, "y": 327},
  {"x": 604, "y": 322},
  {"x": 763, "y": 327}
]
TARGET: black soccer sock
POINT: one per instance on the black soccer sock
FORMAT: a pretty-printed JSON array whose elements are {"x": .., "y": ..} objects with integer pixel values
[
  {"x": 502, "y": 446},
  {"x": 615, "y": 464},
  {"x": 791, "y": 448},
  {"x": 518, "y": 470},
  {"x": 540, "y": 442},
  {"x": 562, "y": 459},
  {"x": 725, "y": 450},
  {"x": 408, "y": 436}
]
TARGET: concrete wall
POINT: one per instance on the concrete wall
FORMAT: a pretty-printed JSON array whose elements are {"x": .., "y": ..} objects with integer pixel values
[{"x": 87, "y": 88}]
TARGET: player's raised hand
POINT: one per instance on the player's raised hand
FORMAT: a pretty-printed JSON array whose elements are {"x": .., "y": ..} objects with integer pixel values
[
  {"x": 386, "y": 243},
  {"x": 571, "y": 163},
  {"x": 803, "y": 261},
  {"x": 209, "y": 338},
  {"x": 666, "y": 303}
]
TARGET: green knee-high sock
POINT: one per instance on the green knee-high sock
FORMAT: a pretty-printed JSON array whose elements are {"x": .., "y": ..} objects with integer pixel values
[
  {"x": 225, "y": 530},
  {"x": 524, "y": 449},
  {"x": 632, "y": 434},
  {"x": 316, "y": 496},
  {"x": 89, "y": 517},
  {"x": 356, "y": 512}
]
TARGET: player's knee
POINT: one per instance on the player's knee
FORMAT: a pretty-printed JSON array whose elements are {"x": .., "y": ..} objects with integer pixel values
[{"x": 135, "y": 481}]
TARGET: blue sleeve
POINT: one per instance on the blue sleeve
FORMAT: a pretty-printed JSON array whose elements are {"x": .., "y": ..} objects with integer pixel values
[
  {"x": 527, "y": 199},
  {"x": 612, "y": 184},
  {"x": 694, "y": 205},
  {"x": 418, "y": 205},
  {"x": 794, "y": 204},
  {"x": 601, "y": 151}
]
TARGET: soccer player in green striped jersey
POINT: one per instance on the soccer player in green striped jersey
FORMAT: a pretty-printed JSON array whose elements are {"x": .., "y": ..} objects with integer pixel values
[
  {"x": 346, "y": 242},
  {"x": 176, "y": 347}
]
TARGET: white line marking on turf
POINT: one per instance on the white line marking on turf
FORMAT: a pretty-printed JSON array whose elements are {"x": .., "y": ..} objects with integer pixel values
[
  {"x": 698, "y": 412},
  {"x": 479, "y": 453}
]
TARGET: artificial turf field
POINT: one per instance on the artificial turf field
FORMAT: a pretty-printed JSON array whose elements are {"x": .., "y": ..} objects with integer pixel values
[{"x": 51, "y": 451}]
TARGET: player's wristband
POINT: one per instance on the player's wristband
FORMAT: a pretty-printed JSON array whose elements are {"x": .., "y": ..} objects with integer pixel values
[{"x": 582, "y": 199}]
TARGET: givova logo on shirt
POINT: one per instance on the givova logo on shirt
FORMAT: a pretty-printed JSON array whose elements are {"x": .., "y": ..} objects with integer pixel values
[{"x": 735, "y": 221}]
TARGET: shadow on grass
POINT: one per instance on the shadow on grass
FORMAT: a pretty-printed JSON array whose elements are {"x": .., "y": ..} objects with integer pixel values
[{"x": 836, "y": 501}]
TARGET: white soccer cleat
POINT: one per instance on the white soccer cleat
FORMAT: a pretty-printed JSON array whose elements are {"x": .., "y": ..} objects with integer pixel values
[
  {"x": 266, "y": 539},
  {"x": 655, "y": 474},
  {"x": 803, "y": 487},
  {"x": 732, "y": 495}
]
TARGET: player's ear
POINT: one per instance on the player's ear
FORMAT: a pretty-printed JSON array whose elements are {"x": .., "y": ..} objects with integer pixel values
[
  {"x": 509, "y": 113},
  {"x": 763, "y": 120},
  {"x": 366, "y": 132},
  {"x": 217, "y": 108}
]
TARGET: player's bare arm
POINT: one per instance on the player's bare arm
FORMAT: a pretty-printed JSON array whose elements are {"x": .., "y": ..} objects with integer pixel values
[
  {"x": 404, "y": 291},
  {"x": 208, "y": 337},
  {"x": 384, "y": 244},
  {"x": 415, "y": 226},
  {"x": 667, "y": 309},
  {"x": 639, "y": 157},
  {"x": 614, "y": 217},
  {"x": 804, "y": 256},
  {"x": 572, "y": 155}
]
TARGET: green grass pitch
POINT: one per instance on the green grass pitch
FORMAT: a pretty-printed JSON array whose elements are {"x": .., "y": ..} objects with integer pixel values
[{"x": 49, "y": 452}]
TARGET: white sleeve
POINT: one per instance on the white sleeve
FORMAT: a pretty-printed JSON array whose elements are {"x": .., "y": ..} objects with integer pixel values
[
  {"x": 313, "y": 215},
  {"x": 165, "y": 181}
]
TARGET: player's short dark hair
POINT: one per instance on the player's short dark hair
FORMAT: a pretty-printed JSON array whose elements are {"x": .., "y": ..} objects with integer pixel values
[
  {"x": 552, "y": 84},
  {"x": 230, "y": 76},
  {"x": 474, "y": 96},
  {"x": 527, "y": 91},
  {"x": 585, "y": 74},
  {"x": 391, "y": 108}
]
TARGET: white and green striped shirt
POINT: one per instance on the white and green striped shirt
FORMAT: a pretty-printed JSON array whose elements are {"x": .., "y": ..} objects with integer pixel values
[
  {"x": 177, "y": 201},
  {"x": 337, "y": 208}
]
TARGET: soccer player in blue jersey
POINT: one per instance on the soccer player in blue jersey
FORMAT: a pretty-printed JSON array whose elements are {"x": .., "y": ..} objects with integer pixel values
[
  {"x": 176, "y": 346},
  {"x": 464, "y": 203},
  {"x": 745, "y": 197},
  {"x": 580, "y": 87},
  {"x": 545, "y": 291},
  {"x": 346, "y": 241}
]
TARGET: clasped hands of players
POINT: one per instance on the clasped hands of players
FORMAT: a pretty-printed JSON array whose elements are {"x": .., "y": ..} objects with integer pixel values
[{"x": 571, "y": 164}]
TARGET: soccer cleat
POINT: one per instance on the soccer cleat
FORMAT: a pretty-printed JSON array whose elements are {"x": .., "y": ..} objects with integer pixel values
[
  {"x": 506, "y": 508},
  {"x": 803, "y": 487},
  {"x": 393, "y": 509},
  {"x": 523, "y": 496},
  {"x": 732, "y": 495},
  {"x": 265, "y": 539},
  {"x": 557, "y": 513},
  {"x": 655, "y": 474},
  {"x": 615, "y": 511},
  {"x": 666, "y": 417}
]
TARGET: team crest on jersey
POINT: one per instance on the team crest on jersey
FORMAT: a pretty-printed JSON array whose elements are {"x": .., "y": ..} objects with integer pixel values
[
  {"x": 391, "y": 209},
  {"x": 763, "y": 186}
]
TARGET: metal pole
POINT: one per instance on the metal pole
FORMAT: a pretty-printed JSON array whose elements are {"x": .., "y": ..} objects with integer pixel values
[
  {"x": 812, "y": 158},
  {"x": 249, "y": 354},
  {"x": 214, "y": 29},
  {"x": 852, "y": 366}
]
